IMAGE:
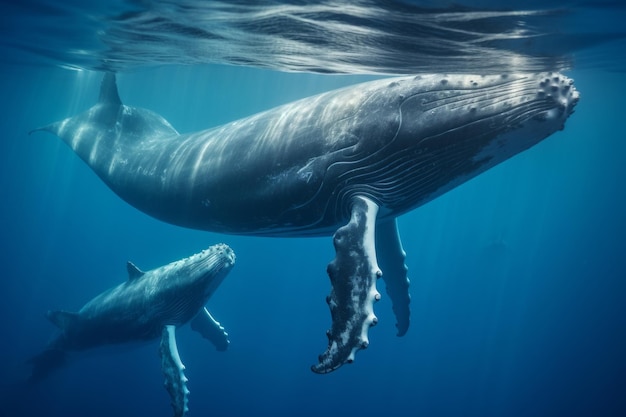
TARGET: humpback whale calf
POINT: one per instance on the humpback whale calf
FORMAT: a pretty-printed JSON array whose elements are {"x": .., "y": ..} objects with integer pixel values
[
  {"x": 147, "y": 306},
  {"x": 344, "y": 163}
]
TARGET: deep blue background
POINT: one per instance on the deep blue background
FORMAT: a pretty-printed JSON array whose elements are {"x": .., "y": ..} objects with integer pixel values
[{"x": 518, "y": 277}]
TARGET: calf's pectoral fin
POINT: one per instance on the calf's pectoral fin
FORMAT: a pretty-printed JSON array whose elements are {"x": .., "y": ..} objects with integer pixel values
[
  {"x": 173, "y": 370},
  {"x": 210, "y": 329},
  {"x": 391, "y": 257},
  {"x": 353, "y": 274},
  {"x": 45, "y": 363}
]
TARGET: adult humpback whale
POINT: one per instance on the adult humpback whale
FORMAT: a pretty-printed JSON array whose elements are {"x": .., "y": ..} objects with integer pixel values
[
  {"x": 147, "y": 306},
  {"x": 346, "y": 162}
]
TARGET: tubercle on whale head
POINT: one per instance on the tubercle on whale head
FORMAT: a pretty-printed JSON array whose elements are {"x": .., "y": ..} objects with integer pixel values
[
  {"x": 554, "y": 102},
  {"x": 497, "y": 117},
  {"x": 218, "y": 248},
  {"x": 211, "y": 261},
  {"x": 546, "y": 96},
  {"x": 209, "y": 267},
  {"x": 460, "y": 107},
  {"x": 561, "y": 91},
  {"x": 220, "y": 254}
]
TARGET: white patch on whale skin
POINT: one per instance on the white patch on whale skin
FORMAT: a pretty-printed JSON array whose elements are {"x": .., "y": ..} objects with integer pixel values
[
  {"x": 173, "y": 370},
  {"x": 305, "y": 175}
]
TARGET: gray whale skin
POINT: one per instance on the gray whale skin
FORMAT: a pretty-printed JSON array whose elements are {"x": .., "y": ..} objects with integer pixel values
[
  {"x": 147, "y": 306},
  {"x": 345, "y": 163}
]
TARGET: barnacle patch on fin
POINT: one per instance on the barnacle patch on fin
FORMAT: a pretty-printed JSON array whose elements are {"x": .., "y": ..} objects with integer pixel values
[{"x": 353, "y": 274}]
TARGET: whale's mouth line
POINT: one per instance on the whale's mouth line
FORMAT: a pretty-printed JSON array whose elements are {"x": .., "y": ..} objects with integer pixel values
[{"x": 536, "y": 111}]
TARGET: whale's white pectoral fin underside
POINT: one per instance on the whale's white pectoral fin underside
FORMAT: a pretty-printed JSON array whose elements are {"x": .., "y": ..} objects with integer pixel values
[
  {"x": 391, "y": 258},
  {"x": 210, "y": 329},
  {"x": 173, "y": 370},
  {"x": 353, "y": 274}
]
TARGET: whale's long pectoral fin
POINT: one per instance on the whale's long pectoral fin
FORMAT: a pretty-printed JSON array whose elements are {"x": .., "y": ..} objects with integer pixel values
[
  {"x": 45, "y": 363},
  {"x": 353, "y": 275},
  {"x": 391, "y": 256},
  {"x": 211, "y": 329},
  {"x": 173, "y": 369}
]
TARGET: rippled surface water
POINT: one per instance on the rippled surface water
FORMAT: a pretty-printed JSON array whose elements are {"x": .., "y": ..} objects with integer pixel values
[{"x": 365, "y": 36}]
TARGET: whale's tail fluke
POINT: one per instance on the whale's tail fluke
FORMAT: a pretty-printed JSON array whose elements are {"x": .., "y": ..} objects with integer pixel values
[{"x": 45, "y": 363}]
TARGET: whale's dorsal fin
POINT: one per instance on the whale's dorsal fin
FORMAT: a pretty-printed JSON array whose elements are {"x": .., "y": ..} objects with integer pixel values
[
  {"x": 108, "y": 90},
  {"x": 133, "y": 271},
  {"x": 62, "y": 319}
]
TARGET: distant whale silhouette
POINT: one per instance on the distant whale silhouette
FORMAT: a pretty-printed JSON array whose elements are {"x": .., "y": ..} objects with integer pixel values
[
  {"x": 147, "y": 306},
  {"x": 347, "y": 162}
]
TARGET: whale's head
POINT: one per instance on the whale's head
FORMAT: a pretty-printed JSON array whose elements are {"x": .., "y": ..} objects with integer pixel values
[
  {"x": 204, "y": 271},
  {"x": 182, "y": 288},
  {"x": 528, "y": 109},
  {"x": 507, "y": 113},
  {"x": 454, "y": 127}
]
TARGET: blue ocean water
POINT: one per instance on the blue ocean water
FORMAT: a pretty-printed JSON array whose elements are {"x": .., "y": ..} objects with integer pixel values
[{"x": 518, "y": 278}]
